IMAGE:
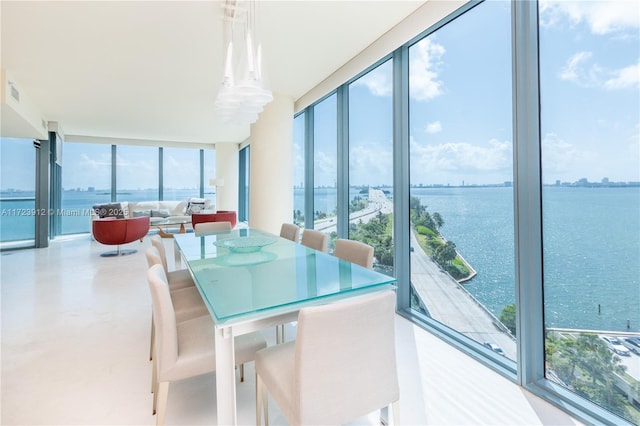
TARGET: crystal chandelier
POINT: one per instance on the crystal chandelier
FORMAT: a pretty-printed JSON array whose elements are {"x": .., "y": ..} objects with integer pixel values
[{"x": 242, "y": 94}]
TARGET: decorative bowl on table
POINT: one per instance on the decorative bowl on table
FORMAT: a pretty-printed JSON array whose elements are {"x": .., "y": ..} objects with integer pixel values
[{"x": 244, "y": 244}]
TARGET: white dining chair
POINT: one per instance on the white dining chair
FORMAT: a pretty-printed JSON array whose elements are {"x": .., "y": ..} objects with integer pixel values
[
  {"x": 354, "y": 252},
  {"x": 341, "y": 366},
  {"x": 187, "y": 303},
  {"x": 290, "y": 231},
  {"x": 315, "y": 239},
  {"x": 208, "y": 227},
  {"x": 186, "y": 349},
  {"x": 179, "y": 278}
]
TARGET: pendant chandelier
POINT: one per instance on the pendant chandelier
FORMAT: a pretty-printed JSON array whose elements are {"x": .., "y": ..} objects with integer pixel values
[{"x": 242, "y": 95}]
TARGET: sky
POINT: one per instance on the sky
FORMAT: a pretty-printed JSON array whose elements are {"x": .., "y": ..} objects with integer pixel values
[{"x": 461, "y": 101}]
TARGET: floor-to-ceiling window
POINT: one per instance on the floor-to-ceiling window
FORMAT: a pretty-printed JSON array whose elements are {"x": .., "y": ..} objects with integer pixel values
[
  {"x": 17, "y": 190},
  {"x": 524, "y": 193},
  {"x": 325, "y": 165},
  {"x": 461, "y": 149},
  {"x": 371, "y": 163},
  {"x": 87, "y": 177},
  {"x": 299, "y": 130},
  {"x": 590, "y": 151},
  {"x": 86, "y": 181},
  {"x": 137, "y": 173},
  {"x": 180, "y": 173}
]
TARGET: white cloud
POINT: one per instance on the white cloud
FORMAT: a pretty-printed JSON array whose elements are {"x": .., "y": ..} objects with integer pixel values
[
  {"x": 86, "y": 162},
  {"x": 424, "y": 83},
  {"x": 434, "y": 127},
  {"x": 574, "y": 67},
  {"x": 601, "y": 17},
  {"x": 625, "y": 78},
  {"x": 563, "y": 160},
  {"x": 378, "y": 83},
  {"x": 455, "y": 160},
  {"x": 325, "y": 169},
  {"x": 371, "y": 164},
  {"x": 581, "y": 70}
]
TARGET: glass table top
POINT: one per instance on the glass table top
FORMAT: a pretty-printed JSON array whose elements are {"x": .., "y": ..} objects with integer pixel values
[{"x": 247, "y": 271}]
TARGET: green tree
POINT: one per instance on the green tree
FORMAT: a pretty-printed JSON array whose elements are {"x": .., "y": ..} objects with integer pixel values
[
  {"x": 438, "y": 220},
  {"x": 588, "y": 366},
  {"x": 508, "y": 317},
  {"x": 446, "y": 253}
]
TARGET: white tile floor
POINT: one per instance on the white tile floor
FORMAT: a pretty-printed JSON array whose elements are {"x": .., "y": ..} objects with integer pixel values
[{"x": 75, "y": 336}]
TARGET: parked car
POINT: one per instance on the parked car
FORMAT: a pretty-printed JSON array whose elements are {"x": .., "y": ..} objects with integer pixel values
[
  {"x": 632, "y": 343},
  {"x": 615, "y": 345},
  {"x": 494, "y": 347}
]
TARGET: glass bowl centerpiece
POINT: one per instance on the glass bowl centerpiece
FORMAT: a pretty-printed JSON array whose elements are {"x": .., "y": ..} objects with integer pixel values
[{"x": 244, "y": 244}]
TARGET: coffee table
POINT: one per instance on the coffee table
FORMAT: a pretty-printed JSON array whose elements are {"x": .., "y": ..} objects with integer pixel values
[{"x": 167, "y": 223}]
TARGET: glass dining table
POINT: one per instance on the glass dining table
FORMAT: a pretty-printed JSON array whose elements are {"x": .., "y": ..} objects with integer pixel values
[{"x": 250, "y": 280}]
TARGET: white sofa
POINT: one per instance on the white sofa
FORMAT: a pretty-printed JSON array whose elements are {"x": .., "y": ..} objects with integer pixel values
[{"x": 157, "y": 210}]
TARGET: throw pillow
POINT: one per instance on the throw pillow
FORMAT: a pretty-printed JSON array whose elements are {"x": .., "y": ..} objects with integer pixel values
[
  {"x": 195, "y": 205},
  {"x": 141, "y": 213},
  {"x": 109, "y": 210},
  {"x": 159, "y": 213}
]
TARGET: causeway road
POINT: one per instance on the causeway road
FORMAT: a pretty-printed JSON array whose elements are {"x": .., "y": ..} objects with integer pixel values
[{"x": 446, "y": 301}]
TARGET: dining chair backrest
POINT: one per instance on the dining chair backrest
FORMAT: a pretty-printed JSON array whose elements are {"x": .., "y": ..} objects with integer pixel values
[
  {"x": 354, "y": 252},
  {"x": 290, "y": 231},
  {"x": 156, "y": 241},
  {"x": 315, "y": 239},
  {"x": 164, "y": 318},
  {"x": 353, "y": 339},
  {"x": 204, "y": 227},
  {"x": 153, "y": 257}
]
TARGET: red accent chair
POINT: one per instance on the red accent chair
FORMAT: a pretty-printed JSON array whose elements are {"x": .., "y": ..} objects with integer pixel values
[
  {"x": 219, "y": 216},
  {"x": 112, "y": 231}
]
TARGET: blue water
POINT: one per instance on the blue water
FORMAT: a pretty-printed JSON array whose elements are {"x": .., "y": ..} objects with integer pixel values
[
  {"x": 591, "y": 246},
  {"x": 591, "y": 239}
]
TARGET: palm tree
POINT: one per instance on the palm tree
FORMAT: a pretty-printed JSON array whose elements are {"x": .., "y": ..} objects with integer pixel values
[{"x": 438, "y": 220}]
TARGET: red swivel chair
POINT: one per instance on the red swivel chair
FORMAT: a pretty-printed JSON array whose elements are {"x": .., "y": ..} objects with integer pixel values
[
  {"x": 219, "y": 216},
  {"x": 112, "y": 231}
]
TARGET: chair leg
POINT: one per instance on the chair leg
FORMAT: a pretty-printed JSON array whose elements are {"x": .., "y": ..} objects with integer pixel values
[
  {"x": 261, "y": 402},
  {"x": 153, "y": 337},
  {"x": 280, "y": 334},
  {"x": 154, "y": 379},
  {"x": 395, "y": 413},
  {"x": 161, "y": 394}
]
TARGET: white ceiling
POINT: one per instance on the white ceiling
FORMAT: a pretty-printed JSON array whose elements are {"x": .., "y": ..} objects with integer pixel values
[{"x": 150, "y": 69}]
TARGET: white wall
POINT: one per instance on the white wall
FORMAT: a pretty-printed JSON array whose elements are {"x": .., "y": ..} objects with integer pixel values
[
  {"x": 271, "y": 171},
  {"x": 227, "y": 169}
]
